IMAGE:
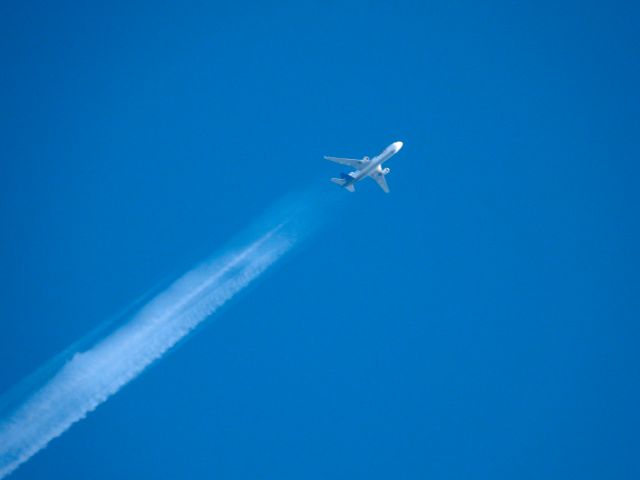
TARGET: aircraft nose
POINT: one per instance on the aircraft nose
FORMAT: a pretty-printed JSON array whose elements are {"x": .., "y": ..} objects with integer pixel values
[{"x": 398, "y": 145}]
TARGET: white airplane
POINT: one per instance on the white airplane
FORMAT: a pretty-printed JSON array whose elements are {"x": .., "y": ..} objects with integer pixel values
[{"x": 367, "y": 167}]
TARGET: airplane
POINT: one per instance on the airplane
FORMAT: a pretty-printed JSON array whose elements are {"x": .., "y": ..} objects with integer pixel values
[{"x": 367, "y": 167}]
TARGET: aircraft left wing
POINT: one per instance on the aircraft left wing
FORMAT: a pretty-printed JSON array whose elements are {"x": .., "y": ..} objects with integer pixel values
[
  {"x": 380, "y": 180},
  {"x": 350, "y": 162}
]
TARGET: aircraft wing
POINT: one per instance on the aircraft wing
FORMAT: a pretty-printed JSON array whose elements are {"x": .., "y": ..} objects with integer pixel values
[
  {"x": 350, "y": 162},
  {"x": 380, "y": 180}
]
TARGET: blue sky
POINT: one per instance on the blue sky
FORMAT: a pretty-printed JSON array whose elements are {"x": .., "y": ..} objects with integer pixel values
[{"x": 480, "y": 321}]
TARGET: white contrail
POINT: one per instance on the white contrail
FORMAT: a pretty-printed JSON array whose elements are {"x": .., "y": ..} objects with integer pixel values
[{"x": 88, "y": 378}]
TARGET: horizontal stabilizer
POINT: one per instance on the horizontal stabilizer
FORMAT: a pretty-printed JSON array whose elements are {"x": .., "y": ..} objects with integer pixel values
[{"x": 343, "y": 183}]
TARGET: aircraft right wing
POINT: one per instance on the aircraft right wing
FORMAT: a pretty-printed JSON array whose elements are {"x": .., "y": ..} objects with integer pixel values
[
  {"x": 381, "y": 180},
  {"x": 350, "y": 162}
]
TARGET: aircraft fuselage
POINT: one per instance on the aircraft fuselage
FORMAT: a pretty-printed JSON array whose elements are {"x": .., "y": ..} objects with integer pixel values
[
  {"x": 375, "y": 163},
  {"x": 366, "y": 167}
]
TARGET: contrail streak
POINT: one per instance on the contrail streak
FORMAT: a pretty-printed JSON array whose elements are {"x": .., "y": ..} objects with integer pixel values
[{"x": 89, "y": 378}]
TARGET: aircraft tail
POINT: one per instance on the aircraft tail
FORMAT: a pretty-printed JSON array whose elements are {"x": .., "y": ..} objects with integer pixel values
[{"x": 343, "y": 183}]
